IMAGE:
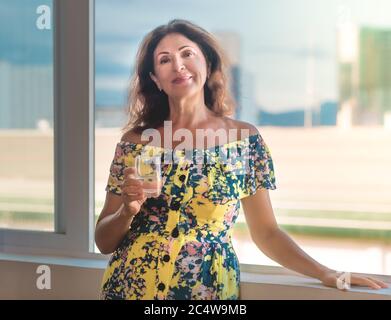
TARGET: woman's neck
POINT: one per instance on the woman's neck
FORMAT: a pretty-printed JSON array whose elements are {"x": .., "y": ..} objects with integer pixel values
[{"x": 188, "y": 113}]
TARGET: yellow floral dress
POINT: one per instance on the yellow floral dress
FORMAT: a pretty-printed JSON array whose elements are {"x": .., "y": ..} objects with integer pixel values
[{"x": 179, "y": 245}]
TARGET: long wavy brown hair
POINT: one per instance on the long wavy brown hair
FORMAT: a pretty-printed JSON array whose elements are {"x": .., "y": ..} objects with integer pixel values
[{"x": 148, "y": 107}]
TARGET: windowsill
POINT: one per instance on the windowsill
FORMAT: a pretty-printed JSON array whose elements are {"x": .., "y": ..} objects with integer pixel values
[
  {"x": 57, "y": 261},
  {"x": 311, "y": 288},
  {"x": 257, "y": 282}
]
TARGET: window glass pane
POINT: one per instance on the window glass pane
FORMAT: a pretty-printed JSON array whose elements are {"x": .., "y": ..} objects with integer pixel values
[
  {"x": 26, "y": 115},
  {"x": 315, "y": 78}
]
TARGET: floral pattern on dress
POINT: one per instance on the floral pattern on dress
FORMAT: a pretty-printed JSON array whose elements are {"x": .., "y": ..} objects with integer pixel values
[{"x": 179, "y": 245}]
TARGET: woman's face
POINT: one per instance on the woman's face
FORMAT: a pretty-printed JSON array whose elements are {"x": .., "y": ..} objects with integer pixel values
[{"x": 180, "y": 66}]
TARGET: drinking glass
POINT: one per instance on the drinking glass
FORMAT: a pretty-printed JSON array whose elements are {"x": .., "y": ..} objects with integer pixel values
[{"x": 148, "y": 170}]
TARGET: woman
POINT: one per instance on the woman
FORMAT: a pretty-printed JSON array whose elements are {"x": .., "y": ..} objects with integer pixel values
[{"x": 178, "y": 245}]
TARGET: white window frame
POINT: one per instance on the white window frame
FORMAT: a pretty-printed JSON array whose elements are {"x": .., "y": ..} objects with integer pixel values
[{"x": 73, "y": 42}]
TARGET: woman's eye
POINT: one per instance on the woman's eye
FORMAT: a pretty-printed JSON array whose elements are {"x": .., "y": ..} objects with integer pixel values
[{"x": 185, "y": 54}]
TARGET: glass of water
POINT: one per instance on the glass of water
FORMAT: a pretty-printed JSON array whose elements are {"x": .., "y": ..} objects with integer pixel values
[{"x": 148, "y": 170}]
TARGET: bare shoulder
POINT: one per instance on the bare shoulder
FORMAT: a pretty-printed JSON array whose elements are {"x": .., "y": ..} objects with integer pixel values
[
  {"x": 131, "y": 136},
  {"x": 241, "y": 125}
]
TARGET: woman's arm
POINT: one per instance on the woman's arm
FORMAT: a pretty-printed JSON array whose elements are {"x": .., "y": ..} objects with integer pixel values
[
  {"x": 112, "y": 226},
  {"x": 277, "y": 245},
  {"x": 118, "y": 212}
]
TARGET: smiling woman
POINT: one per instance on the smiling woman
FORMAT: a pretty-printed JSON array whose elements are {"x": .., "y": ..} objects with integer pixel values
[
  {"x": 199, "y": 66},
  {"x": 190, "y": 66},
  {"x": 178, "y": 245}
]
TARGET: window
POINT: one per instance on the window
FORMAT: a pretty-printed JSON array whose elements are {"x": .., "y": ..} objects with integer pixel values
[
  {"x": 26, "y": 115},
  {"x": 316, "y": 80},
  {"x": 328, "y": 132},
  {"x": 70, "y": 90}
]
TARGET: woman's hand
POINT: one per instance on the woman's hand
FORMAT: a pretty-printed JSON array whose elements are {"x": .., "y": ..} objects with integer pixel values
[
  {"x": 343, "y": 280},
  {"x": 132, "y": 193}
]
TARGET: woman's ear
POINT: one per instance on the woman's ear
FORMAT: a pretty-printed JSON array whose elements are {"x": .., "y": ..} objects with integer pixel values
[{"x": 154, "y": 79}]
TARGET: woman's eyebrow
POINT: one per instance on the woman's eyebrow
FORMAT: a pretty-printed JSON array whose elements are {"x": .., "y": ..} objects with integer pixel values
[{"x": 165, "y": 52}]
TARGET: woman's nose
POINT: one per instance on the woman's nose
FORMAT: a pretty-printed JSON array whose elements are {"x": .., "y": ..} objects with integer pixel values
[{"x": 178, "y": 65}]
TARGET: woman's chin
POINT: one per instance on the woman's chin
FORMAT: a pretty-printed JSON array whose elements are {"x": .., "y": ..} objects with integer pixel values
[{"x": 180, "y": 93}]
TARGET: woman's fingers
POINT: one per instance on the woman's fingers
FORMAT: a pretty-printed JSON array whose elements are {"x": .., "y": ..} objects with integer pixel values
[
  {"x": 133, "y": 203},
  {"x": 133, "y": 195},
  {"x": 130, "y": 171},
  {"x": 371, "y": 284},
  {"x": 130, "y": 178},
  {"x": 366, "y": 281},
  {"x": 131, "y": 190},
  {"x": 379, "y": 282},
  {"x": 128, "y": 181}
]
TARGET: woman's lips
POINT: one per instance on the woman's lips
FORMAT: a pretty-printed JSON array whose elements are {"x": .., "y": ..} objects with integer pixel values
[{"x": 181, "y": 80}]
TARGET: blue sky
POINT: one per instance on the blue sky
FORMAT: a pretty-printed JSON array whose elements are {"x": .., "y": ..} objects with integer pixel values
[
  {"x": 21, "y": 42},
  {"x": 276, "y": 38}
]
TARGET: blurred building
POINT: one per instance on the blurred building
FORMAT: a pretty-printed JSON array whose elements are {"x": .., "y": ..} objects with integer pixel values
[
  {"x": 26, "y": 96},
  {"x": 364, "y": 71},
  {"x": 325, "y": 115},
  {"x": 230, "y": 43},
  {"x": 250, "y": 109}
]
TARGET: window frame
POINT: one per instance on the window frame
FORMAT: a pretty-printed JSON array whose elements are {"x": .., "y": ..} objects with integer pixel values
[{"x": 73, "y": 104}]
